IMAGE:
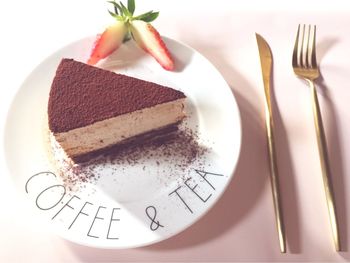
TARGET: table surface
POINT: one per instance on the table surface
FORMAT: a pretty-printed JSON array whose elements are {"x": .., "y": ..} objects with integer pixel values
[{"x": 241, "y": 226}]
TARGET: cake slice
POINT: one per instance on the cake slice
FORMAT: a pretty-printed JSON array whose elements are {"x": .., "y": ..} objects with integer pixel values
[{"x": 91, "y": 110}]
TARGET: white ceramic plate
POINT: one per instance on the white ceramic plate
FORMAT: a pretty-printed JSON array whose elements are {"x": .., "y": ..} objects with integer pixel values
[{"x": 137, "y": 204}]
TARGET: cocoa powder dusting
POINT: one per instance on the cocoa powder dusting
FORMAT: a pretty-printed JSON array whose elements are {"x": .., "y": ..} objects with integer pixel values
[
  {"x": 81, "y": 95},
  {"x": 170, "y": 155}
]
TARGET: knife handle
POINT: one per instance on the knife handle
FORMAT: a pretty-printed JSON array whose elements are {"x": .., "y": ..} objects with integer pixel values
[{"x": 274, "y": 180}]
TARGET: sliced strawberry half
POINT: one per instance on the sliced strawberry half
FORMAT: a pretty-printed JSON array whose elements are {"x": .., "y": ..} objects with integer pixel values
[
  {"x": 107, "y": 42},
  {"x": 148, "y": 38}
]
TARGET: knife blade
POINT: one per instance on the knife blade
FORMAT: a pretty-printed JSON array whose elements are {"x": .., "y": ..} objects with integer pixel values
[{"x": 266, "y": 61}]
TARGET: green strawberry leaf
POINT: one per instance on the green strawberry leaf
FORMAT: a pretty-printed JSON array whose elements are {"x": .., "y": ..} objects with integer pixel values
[
  {"x": 117, "y": 7},
  {"x": 125, "y": 10},
  {"x": 123, "y": 13},
  {"x": 118, "y": 17},
  {"x": 131, "y": 6},
  {"x": 139, "y": 17},
  {"x": 150, "y": 17},
  {"x": 112, "y": 14}
]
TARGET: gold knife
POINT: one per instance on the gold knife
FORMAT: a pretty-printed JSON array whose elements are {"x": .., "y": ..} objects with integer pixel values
[{"x": 266, "y": 67}]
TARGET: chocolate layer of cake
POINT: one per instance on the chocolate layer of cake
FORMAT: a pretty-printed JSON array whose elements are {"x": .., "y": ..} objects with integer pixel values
[{"x": 81, "y": 95}]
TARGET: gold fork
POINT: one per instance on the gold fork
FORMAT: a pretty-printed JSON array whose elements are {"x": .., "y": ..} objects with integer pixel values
[{"x": 305, "y": 66}]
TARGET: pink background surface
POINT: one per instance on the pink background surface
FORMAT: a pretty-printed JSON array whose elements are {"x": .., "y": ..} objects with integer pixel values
[{"x": 241, "y": 226}]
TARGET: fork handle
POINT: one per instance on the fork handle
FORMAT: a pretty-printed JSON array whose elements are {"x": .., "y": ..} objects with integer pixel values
[{"x": 322, "y": 149}]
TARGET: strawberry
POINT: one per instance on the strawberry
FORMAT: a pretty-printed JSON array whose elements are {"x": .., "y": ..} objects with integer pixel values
[
  {"x": 106, "y": 43},
  {"x": 139, "y": 27},
  {"x": 148, "y": 38}
]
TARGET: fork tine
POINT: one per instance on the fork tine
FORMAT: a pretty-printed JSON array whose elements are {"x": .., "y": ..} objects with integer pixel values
[
  {"x": 309, "y": 48},
  {"x": 313, "y": 53},
  {"x": 295, "y": 62},
  {"x": 304, "y": 48}
]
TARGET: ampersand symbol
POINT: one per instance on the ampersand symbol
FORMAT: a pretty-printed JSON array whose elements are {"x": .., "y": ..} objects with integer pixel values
[{"x": 151, "y": 213}]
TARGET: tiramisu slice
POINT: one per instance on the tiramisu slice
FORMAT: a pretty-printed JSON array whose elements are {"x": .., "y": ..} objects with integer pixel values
[{"x": 92, "y": 110}]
